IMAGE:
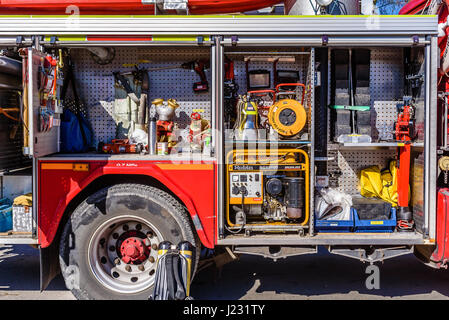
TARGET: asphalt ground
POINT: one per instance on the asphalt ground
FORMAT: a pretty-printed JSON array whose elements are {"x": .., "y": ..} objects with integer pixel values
[{"x": 308, "y": 277}]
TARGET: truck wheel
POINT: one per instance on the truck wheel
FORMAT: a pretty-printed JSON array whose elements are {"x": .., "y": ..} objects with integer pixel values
[{"x": 108, "y": 248}]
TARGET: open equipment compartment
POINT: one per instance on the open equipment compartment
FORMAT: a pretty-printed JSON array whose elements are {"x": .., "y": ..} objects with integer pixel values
[
  {"x": 168, "y": 79},
  {"x": 15, "y": 167},
  {"x": 268, "y": 139},
  {"x": 394, "y": 74},
  {"x": 389, "y": 79},
  {"x": 95, "y": 85}
]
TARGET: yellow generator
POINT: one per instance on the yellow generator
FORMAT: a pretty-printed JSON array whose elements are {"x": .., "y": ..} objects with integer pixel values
[{"x": 267, "y": 190}]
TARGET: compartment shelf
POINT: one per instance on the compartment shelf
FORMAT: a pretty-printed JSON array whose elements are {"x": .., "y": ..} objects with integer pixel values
[
  {"x": 393, "y": 238},
  {"x": 128, "y": 156},
  {"x": 266, "y": 142},
  {"x": 376, "y": 145}
]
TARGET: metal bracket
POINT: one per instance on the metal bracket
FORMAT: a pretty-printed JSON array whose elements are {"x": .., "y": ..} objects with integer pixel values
[
  {"x": 415, "y": 39},
  {"x": 324, "y": 158},
  {"x": 53, "y": 40},
  {"x": 371, "y": 255},
  {"x": 324, "y": 40},
  {"x": 200, "y": 40},
  {"x": 19, "y": 40},
  {"x": 275, "y": 252},
  {"x": 234, "y": 40}
]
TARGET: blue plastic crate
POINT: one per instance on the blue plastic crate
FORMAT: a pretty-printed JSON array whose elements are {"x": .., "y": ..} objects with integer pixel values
[
  {"x": 5, "y": 215},
  {"x": 375, "y": 225},
  {"x": 335, "y": 225}
]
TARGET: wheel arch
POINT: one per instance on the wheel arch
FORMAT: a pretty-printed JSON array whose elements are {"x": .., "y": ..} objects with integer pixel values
[
  {"x": 50, "y": 253},
  {"x": 108, "y": 180}
]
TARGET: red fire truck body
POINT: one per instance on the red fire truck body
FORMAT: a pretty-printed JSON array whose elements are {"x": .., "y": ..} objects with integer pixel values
[{"x": 314, "y": 165}]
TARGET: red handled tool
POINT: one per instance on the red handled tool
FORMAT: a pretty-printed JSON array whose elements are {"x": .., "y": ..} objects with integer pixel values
[{"x": 404, "y": 131}]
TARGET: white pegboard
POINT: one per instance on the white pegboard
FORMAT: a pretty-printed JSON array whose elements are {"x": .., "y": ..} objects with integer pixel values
[
  {"x": 383, "y": 116},
  {"x": 96, "y": 84},
  {"x": 386, "y": 74}
]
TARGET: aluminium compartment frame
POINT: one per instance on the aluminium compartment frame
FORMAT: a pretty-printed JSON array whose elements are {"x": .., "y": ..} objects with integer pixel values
[{"x": 273, "y": 31}]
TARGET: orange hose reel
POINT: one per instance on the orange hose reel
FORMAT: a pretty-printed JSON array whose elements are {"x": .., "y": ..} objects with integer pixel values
[{"x": 288, "y": 117}]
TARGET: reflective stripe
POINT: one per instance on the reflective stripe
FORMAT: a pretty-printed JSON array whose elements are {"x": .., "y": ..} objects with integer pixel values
[
  {"x": 197, "y": 222},
  {"x": 183, "y": 166},
  {"x": 65, "y": 166}
]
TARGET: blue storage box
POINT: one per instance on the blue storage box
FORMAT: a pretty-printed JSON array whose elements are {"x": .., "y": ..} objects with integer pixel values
[
  {"x": 5, "y": 215},
  {"x": 373, "y": 225},
  {"x": 335, "y": 225}
]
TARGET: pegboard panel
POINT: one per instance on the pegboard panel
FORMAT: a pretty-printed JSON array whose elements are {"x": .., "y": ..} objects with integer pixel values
[
  {"x": 383, "y": 116},
  {"x": 96, "y": 84},
  {"x": 417, "y": 188},
  {"x": 386, "y": 90},
  {"x": 352, "y": 162},
  {"x": 386, "y": 74}
]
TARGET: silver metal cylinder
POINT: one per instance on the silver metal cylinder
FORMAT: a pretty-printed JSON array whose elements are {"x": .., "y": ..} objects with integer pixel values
[{"x": 152, "y": 136}]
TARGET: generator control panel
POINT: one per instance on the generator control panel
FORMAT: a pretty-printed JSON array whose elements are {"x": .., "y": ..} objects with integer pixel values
[{"x": 247, "y": 186}]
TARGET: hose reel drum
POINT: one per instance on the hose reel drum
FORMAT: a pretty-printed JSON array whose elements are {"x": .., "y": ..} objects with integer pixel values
[{"x": 287, "y": 117}]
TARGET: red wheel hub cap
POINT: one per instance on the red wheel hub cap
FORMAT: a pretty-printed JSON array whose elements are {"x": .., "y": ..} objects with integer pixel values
[{"x": 133, "y": 250}]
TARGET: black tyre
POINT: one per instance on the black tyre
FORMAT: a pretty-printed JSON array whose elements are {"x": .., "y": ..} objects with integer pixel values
[{"x": 108, "y": 248}]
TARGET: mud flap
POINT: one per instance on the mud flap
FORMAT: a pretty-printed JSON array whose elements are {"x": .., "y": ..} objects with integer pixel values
[
  {"x": 441, "y": 253},
  {"x": 438, "y": 255},
  {"x": 49, "y": 264}
]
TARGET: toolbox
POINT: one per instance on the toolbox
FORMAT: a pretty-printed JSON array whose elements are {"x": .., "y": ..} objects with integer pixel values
[{"x": 5, "y": 215}]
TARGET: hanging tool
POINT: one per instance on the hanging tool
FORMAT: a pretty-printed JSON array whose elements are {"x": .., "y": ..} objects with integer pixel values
[
  {"x": 404, "y": 132},
  {"x": 230, "y": 96},
  {"x": 48, "y": 92},
  {"x": 6, "y": 111},
  {"x": 122, "y": 81},
  {"x": 199, "y": 66},
  {"x": 141, "y": 75}
]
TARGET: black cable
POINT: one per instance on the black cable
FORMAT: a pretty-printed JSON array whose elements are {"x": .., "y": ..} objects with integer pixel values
[{"x": 244, "y": 215}]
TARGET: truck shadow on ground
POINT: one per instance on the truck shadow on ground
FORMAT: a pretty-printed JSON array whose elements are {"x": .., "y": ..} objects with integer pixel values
[
  {"x": 320, "y": 276},
  {"x": 19, "y": 268}
]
